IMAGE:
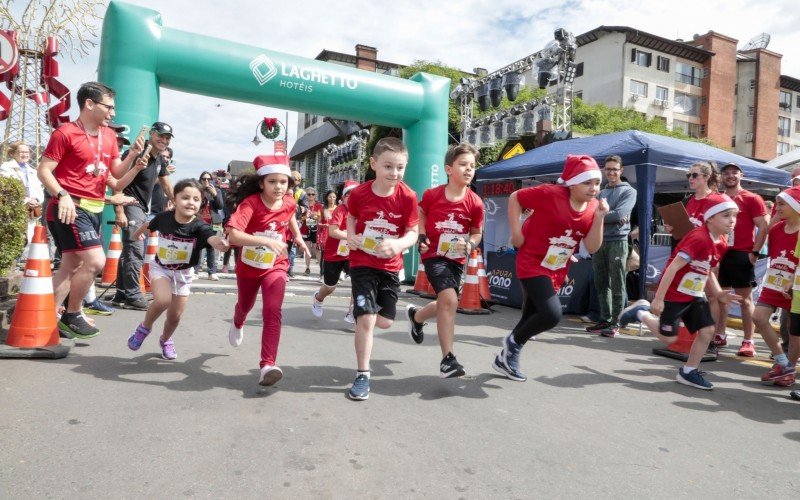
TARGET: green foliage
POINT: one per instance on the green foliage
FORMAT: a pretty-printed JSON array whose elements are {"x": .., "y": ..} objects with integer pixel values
[
  {"x": 491, "y": 154},
  {"x": 440, "y": 69},
  {"x": 13, "y": 222},
  {"x": 525, "y": 94}
]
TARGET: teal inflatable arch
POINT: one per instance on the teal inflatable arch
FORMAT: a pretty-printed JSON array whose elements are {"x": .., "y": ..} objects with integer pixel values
[{"x": 138, "y": 56}]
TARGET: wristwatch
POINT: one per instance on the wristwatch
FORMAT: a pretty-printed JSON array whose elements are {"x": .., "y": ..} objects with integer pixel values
[
  {"x": 61, "y": 194},
  {"x": 757, "y": 254}
]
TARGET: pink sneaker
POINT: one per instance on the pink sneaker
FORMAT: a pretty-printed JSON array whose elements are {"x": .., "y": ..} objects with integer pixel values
[
  {"x": 786, "y": 380},
  {"x": 720, "y": 340},
  {"x": 747, "y": 350},
  {"x": 777, "y": 372}
]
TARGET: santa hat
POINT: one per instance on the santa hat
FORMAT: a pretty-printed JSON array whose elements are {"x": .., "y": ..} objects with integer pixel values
[
  {"x": 272, "y": 164},
  {"x": 792, "y": 197},
  {"x": 349, "y": 186},
  {"x": 718, "y": 202},
  {"x": 579, "y": 168}
]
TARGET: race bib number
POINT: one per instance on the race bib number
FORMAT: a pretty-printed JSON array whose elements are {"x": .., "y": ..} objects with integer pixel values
[
  {"x": 693, "y": 284},
  {"x": 172, "y": 252},
  {"x": 342, "y": 249},
  {"x": 557, "y": 257},
  {"x": 371, "y": 239},
  {"x": 261, "y": 257},
  {"x": 778, "y": 280},
  {"x": 447, "y": 246}
]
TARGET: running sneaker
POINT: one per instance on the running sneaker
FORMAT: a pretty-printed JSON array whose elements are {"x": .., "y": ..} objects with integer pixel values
[
  {"x": 795, "y": 395},
  {"x": 235, "y": 335},
  {"x": 270, "y": 375},
  {"x": 360, "y": 389},
  {"x": 349, "y": 318},
  {"x": 213, "y": 276},
  {"x": 414, "y": 328},
  {"x": 307, "y": 272},
  {"x": 316, "y": 306},
  {"x": 693, "y": 379},
  {"x": 97, "y": 307},
  {"x": 507, "y": 362},
  {"x": 598, "y": 327},
  {"x": 136, "y": 305},
  {"x": 610, "y": 332},
  {"x": 450, "y": 367},
  {"x": 747, "y": 349},
  {"x": 168, "y": 349},
  {"x": 118, "y": 300},
  {"x": 629, "y": 314},
  {"x": 74, "y": 325},
  {"x": 137, "y": 337},
  {"x": 721, "y": 340},
  {"x": 786, "y": 380},
  {"x": 777, "y": 372}
]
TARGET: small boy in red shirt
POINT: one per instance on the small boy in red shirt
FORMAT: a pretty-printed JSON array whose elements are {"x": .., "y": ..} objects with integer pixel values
[
  {"x": 450, "y": 220},
  {"x": 680, "y": 295},
  {"x": 382, "y": 223}
]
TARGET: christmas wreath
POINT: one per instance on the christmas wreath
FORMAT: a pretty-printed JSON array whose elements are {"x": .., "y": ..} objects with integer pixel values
[{"x": 270, "y": 128}]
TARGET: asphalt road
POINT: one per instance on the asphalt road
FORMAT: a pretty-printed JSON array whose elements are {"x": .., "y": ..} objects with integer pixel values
[{"x": 597, "y": 418}]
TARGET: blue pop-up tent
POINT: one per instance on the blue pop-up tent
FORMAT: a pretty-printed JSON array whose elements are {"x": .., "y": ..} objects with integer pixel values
[{"x": 653, "y": 163}]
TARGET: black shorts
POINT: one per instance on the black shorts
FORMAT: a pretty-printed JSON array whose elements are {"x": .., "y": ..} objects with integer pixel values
[
  {"x": 443, "y": 273},
  {"x": 83, "y": 234},
  {"x": 695, "y": 315},
  {"x": 311, "y": 237},
  {"x": 736, "y": 271},
  {"x": 374, "y": 292},
  {"x": 794, "y": 324},
  {"x": 332, "y": 270}
]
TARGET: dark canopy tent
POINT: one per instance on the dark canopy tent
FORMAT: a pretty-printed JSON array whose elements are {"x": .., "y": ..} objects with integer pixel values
[{"x": 654, "y": 163}]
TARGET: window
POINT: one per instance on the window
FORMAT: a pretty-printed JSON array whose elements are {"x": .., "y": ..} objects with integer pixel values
[
  {"x": 797, "y": 126},
  {"x": 662, "y": 94},
  {"x": 690, "y": 129},
  {"x": 785, "y": 101},
  {"x": 783, "y": 148},
  {"x": 784, "y": 125},
  {"x": 662, "y": 64},
  {"x": 686, "y": 104},
  {"x": 748, "y": 137},
  {"x": 310, "y": 120},
  {"x": 578, "y": 70},
  {"x": 641, "y": 58},
  {"x": 751, "y": 110},
  {"x": 685, "y": 73},
  {"x": 798, "y": 101},
  {"x": 638, "y": 89},
  {"x": 733, "y": 141},
  {"x": 736, "y": 89},
  {"x": 579, "y": 95}
]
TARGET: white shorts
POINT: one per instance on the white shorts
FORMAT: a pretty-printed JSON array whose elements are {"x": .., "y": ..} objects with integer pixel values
[{"x": 180, "y": 278}]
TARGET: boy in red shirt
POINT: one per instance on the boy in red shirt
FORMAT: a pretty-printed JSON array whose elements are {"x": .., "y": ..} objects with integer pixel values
[
  {"x": 382, "y": 223},
  {"x": 680, "y": 295},
  {"x": 450, "y": 220}
]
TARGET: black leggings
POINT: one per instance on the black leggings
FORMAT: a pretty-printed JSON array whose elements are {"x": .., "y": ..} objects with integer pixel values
[{"x": 541, "y": 309}]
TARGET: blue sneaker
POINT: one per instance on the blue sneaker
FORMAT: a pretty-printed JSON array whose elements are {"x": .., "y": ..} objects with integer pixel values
[
  {"x": 360, "y": 389},
  {"x": 693, "y": 379},
  {"x": 507, "y": 362},
  {"x": 628, "y": 315},
  {"x": 97, "y": 307},
  {"x": 138, "y": 336}
]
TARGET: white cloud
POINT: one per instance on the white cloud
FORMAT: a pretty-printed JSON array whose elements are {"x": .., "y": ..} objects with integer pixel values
[{"x": 464, "y": 34}]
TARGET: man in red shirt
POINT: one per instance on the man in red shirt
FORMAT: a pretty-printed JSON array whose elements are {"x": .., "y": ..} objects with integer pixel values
[
  {"x": 74, "y": 169},
  {"x": 737, "y": 267}
]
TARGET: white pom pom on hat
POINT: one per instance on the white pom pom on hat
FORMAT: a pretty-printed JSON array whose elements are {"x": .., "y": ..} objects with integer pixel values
[{"x": 579, "y": 168}]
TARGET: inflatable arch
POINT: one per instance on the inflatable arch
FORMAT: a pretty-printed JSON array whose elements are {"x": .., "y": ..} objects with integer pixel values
[{"x": 138, "y": 56}]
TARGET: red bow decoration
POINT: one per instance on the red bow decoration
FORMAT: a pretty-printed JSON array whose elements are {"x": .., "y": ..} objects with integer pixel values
[
  {"x": 57, "y": 114},
  {"x": 270, "y": 122},
  {"x": 8, "y": 77}
]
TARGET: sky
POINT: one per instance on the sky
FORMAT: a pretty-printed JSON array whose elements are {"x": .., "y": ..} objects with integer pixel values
[{"x": 466, "y": 34}]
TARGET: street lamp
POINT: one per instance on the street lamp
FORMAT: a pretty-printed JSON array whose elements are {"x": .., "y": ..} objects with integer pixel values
[{"x": 256, "y": 141}]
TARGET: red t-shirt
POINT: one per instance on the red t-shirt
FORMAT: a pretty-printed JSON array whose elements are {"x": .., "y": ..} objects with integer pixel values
[
  {"x": 314, "y": 207},
  {"x": 697, "y": 209},
  {"x": 750, "y": 206},
  {"x": 338, "y": 220},
  {"x": 381, "y": 217},
  {"x": 443, "y": 216},
  {"x": 782, "y": 266},
  {"x": 76, "y": 154},
  {"x": 253, "y": 217},
  {"x": 552, "y": 232},
  {"x": 703, "y": 254}
]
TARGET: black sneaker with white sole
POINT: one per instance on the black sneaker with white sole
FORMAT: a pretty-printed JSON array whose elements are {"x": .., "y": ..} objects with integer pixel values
[
  {"x": 414, "y": 328},
  {"x": 450, "y": 367},
  {"x": 74, "y": 325}
]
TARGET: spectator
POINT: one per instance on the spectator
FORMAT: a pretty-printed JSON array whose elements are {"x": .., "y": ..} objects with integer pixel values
[
  {"x": 159, "y": 200},
  {"x": 19, "y": 167},
  {"x": 210, "y": 213}
]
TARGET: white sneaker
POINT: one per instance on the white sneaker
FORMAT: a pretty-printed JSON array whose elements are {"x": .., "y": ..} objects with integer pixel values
[
  {"x": 213, "y": 276},
  {"x": 316, "y": 307},
  {"x": 270, "y": 375},
  {"x": 235, "y": 335},
  {"x": 350, "y": 318}
]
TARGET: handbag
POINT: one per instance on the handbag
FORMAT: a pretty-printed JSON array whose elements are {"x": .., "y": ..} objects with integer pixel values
[{"x": 35, "y": 212}]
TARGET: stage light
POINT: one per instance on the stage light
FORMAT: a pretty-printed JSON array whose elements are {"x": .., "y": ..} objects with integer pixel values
[
  {"x": 511, "y": 83},
  {"x": 569, "y": 72},
  {"x": 496, "y": 91},
  {"x": 482, "y": 96}
]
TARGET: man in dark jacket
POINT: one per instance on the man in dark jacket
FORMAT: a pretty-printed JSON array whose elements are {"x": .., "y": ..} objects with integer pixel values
[{"x": 609, "y": 262}]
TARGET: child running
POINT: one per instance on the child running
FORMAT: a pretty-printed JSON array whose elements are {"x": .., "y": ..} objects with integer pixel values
[
  {"x": 680, "y": 295},
  {"x": 776, "y": 288},
  {"x": 335, "y": 255},
  {"x": 450, "y": 221},
  {"x": 182, "y": 235},
  {"x": 381, "y": 224},
  {"x": 259, "y": 226},
  {"x": 563, "y": 215}
]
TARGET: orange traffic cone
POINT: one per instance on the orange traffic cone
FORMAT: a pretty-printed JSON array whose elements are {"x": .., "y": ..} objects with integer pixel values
[
  {"x": 112, "y": 257},
  {"x": 33, "y": 332},
  {"x": 422, "y": 286},
  {"x": 681, "y": 347},
  {"x": 483, "y": 279},
  {"x": 150, "y": 255},
  {"x": 470, "y": 302}
]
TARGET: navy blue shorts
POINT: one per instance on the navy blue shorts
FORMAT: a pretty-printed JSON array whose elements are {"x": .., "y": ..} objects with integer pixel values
[{"x": 83, "y": 234}]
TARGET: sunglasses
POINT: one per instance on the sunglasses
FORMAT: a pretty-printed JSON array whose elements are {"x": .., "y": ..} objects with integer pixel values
[
  {"x": 693, "y": 175},
  {"x": 205, "y": 178}
]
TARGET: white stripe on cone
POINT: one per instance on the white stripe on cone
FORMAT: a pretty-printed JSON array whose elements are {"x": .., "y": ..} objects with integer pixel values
[
  {"x": 36, "y": 286},
  {"x": 38, "y": 251},
  {"x": 114, "y": 254},
  {"x": 471, "y": 279}
]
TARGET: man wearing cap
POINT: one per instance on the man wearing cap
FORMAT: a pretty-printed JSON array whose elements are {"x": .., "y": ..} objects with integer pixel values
[
  {"x": 130, "y": 217},
  {"x": 737, "y": 267}
]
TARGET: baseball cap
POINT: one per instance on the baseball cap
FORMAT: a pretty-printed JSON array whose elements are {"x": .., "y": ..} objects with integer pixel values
[
  {"x": 734, "y": 165},
  {"x": 116, "y": 127},
  {"x": 162, "y": 128},
  {"x": 125, "y": 141}
]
